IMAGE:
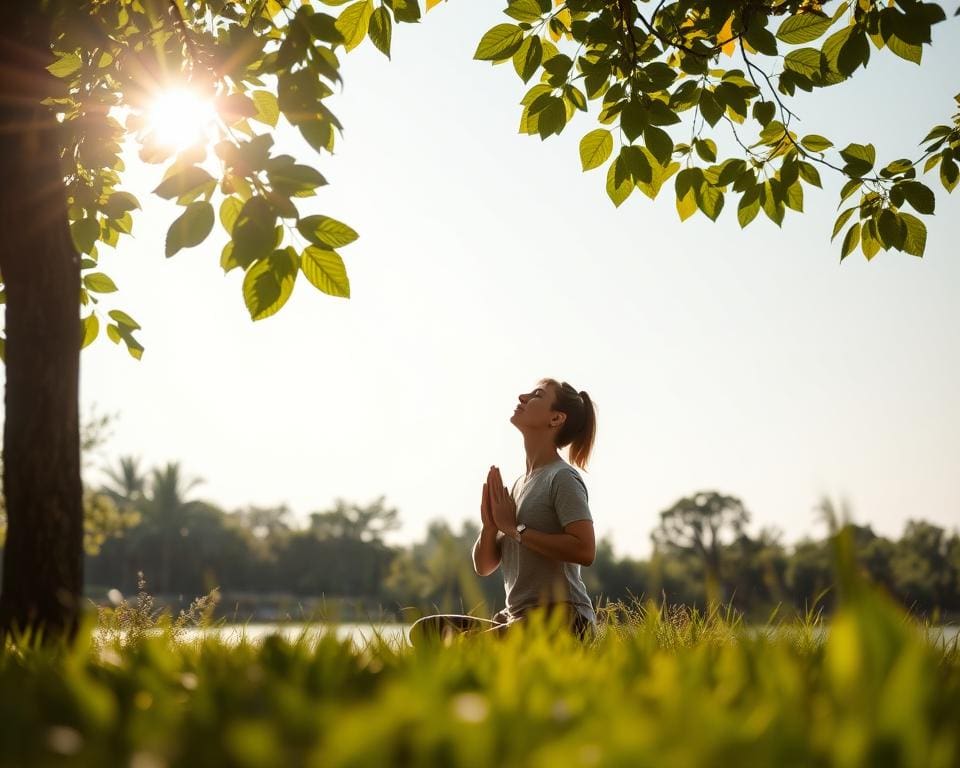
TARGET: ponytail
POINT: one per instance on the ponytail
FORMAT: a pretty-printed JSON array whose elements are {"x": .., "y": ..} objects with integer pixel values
[{"x": 580, "y": 427}]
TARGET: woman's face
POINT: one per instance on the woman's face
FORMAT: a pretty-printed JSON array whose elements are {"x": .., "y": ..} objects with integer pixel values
[{"x": 535, "y": 409}]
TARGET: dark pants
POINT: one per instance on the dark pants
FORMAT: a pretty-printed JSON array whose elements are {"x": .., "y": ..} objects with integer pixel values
[{"x": 445, "y": 625}]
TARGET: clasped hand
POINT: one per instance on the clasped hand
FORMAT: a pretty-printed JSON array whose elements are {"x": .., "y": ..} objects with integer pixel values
[{"x": 497, "y": 508}]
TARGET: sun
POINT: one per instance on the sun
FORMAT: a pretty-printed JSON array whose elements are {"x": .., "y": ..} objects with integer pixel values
[{"x": 180, "y": 118}]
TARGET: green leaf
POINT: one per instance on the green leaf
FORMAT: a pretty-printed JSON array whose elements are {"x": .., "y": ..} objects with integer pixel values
[
  {"x": 763, "y": 111},
  {"x": 759, "y": 37},
  {"x": 916, "y": 239},
  {"x": 687, "y": 204},
  {"x": 934, "y": 159},
  {"x": 815, "y": 143},
  {"x": 658, "y": 141},
  {"x": 710, "y": 201},
  {"x": 99, "y": 283},
  {"x": 552, "y": 118},
  {"x": 595, "y": 148},
  {"x": 67, "y": 64},
  {"x": 850, "y": 241},
  {"x": 183, "y": 182},
  {"x": 908, "y": 51},
  {"x": 633, "y": 119},
  {"x": 749, "y": 206},
  {"x": 803, "y": 28},
  {"x": 860, "y": 159},
  {"x": 619, "y": 182},
  {"x": 808, "y": 62},
  {"x": 190, "y": 228},
  {"x": 660, "y": 114},
  {"x": 949, "y": 173},
  {"x": 833, "y": 45},
  {"x": 891, "y": 229},
  {"x": 84, "y": 233},
  {"x": 842, "y": 219},
  {"x": 920, "y": 196},
  {"x": 229, "y": 211},
  {"x": 869, "y": 242},
  {"x": 325, "y": 270},
  {"x": 729, "y": 171},
  {"x": 524, "y": 10},
  {"x": 253, "y": 232},
  {"x": 89, "y": 328},
  {"x": 499, "y": 43},
  {"x": 659, "y": 175},
  {"x": 353, "y": 23},
  {"x": 937, "y": 132},
  {"x": 573, "y": 95},
  {"x": 263, "y": 291},
  {"x": 849, "y": 188},
  {"x": 637, "y": 163},
  {"x": 706, "y": 149},
  {"x": 323, "y": 26},
  {"x": 227, "y": 262},
  {"x": 269, "y": 282},
  {"x": 326, "y": 232},
  {"x": 122, "y": 318},
  {"x": 268, "y": 111},
  {"x": 119, "y": 203},
  {"x": 709, "y": 107},
  {"x": 771, "y": 202},
  {"x": 381, "y": 30},
  {"x": 291, "y": 179},
  {"x": 853, "y": 53},
  {"x": 529, "y": 56},
  {"x": 794, "y": 197},
  {"x": 406, "y": 11},
  {"x": 809, "y": 174}
]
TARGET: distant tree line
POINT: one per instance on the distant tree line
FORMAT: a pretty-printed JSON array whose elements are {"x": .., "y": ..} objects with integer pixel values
[{"x": 148, "y": 521}]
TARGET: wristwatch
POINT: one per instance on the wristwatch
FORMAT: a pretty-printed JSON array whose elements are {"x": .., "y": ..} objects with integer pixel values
[{"x": 520, "y": 529}]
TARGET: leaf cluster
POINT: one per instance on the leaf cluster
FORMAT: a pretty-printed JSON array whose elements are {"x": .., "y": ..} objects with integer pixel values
[
  {"x": 652, "y": 74},
  {"x": 256, "y": 62}
]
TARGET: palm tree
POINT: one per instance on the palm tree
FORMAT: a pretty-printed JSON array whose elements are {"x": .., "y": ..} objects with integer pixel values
[
  {"x": 128, "y": 481},
  {"x": 167, "y": 511}
]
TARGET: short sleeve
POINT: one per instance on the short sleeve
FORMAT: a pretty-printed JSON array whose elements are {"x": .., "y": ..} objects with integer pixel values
[{"x": 570, "y": 497}]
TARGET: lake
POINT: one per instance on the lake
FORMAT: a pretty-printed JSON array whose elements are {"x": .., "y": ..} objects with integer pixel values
[{"x": 360, "y": 634}]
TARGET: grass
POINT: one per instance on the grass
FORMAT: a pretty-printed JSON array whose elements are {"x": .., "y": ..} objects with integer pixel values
[{"x": 658, "y": 687}]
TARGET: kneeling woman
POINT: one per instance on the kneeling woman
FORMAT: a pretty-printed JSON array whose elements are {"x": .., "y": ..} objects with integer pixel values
[{"x": 540, "y": 531}]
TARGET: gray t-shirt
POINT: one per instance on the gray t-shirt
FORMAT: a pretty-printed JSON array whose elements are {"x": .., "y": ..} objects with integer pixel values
[{"x": 552, "y": 497}]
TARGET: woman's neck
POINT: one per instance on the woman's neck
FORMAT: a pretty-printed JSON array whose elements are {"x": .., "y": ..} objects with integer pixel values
[{"x": 540, "y": 451}]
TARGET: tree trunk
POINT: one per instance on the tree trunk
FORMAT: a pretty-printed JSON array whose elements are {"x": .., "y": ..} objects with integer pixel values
[{"x": 43, "y": 558}]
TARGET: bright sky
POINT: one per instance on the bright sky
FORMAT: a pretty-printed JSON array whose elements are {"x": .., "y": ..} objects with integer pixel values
[{"x": 750, "y": 362}]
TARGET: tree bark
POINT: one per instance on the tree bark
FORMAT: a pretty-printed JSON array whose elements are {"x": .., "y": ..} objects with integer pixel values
[{"x": 43, "y": 558}]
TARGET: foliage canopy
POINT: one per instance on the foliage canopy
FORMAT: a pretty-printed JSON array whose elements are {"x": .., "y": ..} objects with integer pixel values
[{"x": 662, "y": 80}]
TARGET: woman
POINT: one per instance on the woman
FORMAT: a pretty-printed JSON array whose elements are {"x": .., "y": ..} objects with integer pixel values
[{"x": 540, "y": 531}]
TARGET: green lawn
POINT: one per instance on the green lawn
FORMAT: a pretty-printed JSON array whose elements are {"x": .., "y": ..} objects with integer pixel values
[{"x": 657, "y": 688}]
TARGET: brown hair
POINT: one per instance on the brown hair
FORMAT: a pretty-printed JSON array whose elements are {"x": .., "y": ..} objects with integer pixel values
[{"x": 580, "y": 427}]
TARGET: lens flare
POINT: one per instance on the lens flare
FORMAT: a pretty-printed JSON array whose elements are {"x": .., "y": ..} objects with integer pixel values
[{"x": 180, "y": 118}]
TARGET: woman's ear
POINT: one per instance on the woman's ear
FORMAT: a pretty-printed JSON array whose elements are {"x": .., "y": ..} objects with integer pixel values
[{"x": 558, "y": 419}]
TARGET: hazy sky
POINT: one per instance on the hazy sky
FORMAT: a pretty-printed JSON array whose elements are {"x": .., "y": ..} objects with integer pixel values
[{"x": 750, "y": 361}]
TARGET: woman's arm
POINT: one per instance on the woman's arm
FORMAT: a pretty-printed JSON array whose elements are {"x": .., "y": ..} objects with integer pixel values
[
  {"x": 486, "y": 552},
  {"x": 486, "y": 549},
  {"x": 575, "y": 545}
]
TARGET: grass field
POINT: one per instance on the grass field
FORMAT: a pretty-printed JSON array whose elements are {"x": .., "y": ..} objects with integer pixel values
[{"x": 657, "y": 687}]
